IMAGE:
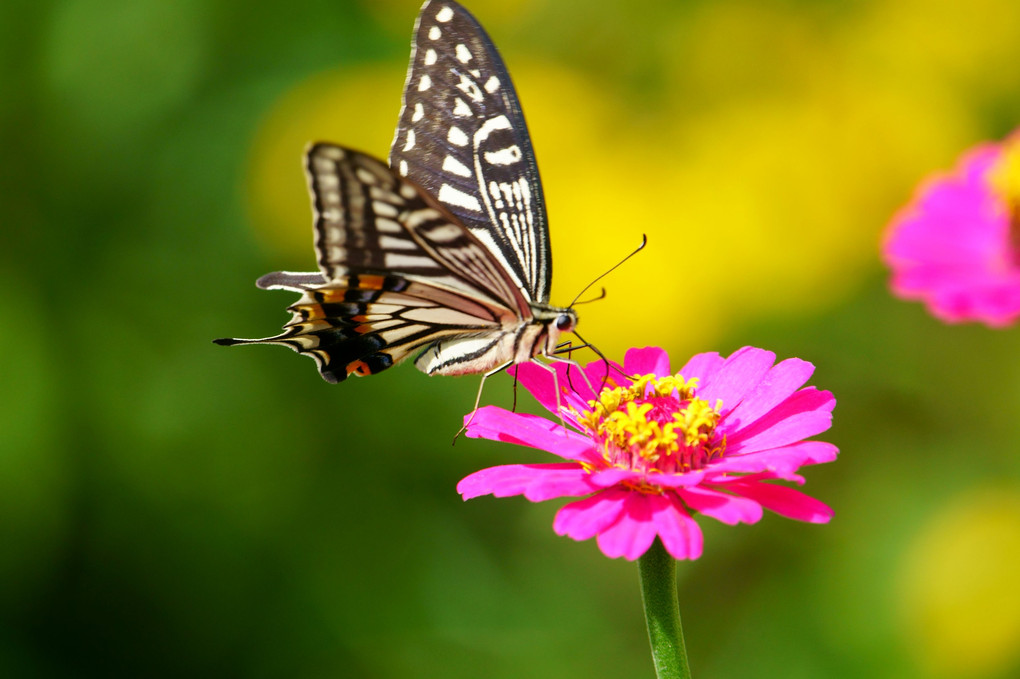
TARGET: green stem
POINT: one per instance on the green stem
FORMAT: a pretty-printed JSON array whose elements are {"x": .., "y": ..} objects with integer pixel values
[{"x": 662, "y": 613}]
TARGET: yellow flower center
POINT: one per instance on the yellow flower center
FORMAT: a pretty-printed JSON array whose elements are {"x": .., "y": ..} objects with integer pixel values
[
  {"x": 1005, "y": 181},
  {"x": 655, "y": 425},
  {"x": 1006, "y": 173}
]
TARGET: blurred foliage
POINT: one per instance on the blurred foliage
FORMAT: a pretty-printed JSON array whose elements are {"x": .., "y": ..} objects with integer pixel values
[{"x": 171, "y": 508}]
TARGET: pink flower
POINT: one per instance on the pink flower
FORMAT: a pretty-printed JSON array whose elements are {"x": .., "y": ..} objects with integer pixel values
[
  {"x": 649, "y": 453},
  {"x": 954, "y": 246}
]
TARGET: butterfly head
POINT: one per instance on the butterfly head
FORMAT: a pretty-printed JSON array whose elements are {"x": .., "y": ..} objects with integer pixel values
[
  {"x": 555, "y": 321},
  {"x": 566, "y": 321}
]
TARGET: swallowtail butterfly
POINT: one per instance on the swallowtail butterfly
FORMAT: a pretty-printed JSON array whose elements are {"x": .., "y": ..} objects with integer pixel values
[{"x": 445, "y": 249}]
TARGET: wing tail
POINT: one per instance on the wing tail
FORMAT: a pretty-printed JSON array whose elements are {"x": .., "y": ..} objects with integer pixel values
[
  {"x": 338, "y": 352},
  {"x": 290, "y": 280}
]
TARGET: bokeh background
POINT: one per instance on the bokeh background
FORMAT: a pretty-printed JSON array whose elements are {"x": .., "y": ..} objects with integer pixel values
[{"x": 172, "y": 508}]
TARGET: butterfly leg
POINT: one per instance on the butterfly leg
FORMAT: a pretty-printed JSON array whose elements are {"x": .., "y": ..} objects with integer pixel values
[
  {"x": 514, "y": 408},
  {"x": 571, "y": 362},
  {"x": 556, "y": 388},
  {"x": 478, "y": 399},
  {"x": 609, "y": 365},
  {"x": 567, "y": 347}
]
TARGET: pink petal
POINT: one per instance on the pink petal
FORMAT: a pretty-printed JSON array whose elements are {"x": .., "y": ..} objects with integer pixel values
[
  {"x": 785, "y": 378},
  {"x": 783, "y": 461},
  {"x": 647, "y": 361},
  {"x": 951, "y": 248},
  {"x": 806, "y": 413},
  {"x": 703, "y": 366},
  {"x": 537, "y": 380},
  {"x": 574, "y": 384},
  {"x": 993, "y": 302},
  {"x": 741, "y": 373},
  {"x": 580, "y": 387},
  {"x": 597, "y": 376},
  {"x": 784, "y": 501},
  {"x": 585, "y": 518},
  {"x": 680, "y": 534},
  {"x": 542, "y": 380},
  {"x": 537, "y": 482},
  {"x": 603, "y": 374},
  {"x": 606, "y": 478},
  {"x": 729, "y": 509},
  {"x": 633, "y": 532},
  {"x": 676, "y": 480},
  {"x": 572, "y": 483},
  {"x": 497, "y": 424},
  {"x": 954, "y": 218}
]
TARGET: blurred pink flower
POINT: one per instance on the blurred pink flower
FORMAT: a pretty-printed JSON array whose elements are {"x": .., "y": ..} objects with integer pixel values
[
  {"x": 651, "y": 452},
  {"x": 954, "y": 246}
]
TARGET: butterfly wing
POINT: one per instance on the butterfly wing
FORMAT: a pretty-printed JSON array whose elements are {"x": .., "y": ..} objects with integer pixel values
[
  {"x": 462, "y": 137},
  {"x": 398, "y": 273}
]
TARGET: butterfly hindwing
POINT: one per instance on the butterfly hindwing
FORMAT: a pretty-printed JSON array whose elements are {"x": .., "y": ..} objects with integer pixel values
[
  {"x": 363, "y": 324},
  {"x": 462, "y": 137}
]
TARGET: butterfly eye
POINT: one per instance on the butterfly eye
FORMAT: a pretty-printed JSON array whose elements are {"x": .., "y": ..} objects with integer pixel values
[{"x": 564, "y": 323}]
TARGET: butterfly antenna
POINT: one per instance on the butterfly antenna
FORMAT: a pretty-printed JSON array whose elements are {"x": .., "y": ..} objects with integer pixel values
[
  {"x": 602, "y": 295},
  {"x": 644, "y": 242}
]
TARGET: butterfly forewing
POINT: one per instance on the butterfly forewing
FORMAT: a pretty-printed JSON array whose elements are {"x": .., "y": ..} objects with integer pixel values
[{"x": 462, "y": 137}]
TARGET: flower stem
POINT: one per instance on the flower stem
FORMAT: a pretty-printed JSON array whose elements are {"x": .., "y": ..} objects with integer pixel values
[{"x": 662, "y": 613}]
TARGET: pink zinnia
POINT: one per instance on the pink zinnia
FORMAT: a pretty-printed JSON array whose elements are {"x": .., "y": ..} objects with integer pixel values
[
  {"x": 954, "y": 246},
  {"x": 649, "y": 452}
]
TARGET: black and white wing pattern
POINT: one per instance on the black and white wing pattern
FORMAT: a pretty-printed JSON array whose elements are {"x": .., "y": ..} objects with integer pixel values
[
  {"x": 369, "y": 220},
  {"x": 397, "y": 272},
  {"x": 462, "y": 138}
]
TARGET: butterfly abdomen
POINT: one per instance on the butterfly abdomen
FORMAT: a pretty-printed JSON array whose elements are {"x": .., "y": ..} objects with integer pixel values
[{"x": 484, "y": 351}]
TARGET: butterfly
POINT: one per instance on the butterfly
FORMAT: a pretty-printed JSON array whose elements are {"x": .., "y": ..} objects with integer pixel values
[{"x": 445, "y": 250}]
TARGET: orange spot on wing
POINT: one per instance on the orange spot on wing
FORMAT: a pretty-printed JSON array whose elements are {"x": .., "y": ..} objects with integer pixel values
[
  {"x": 358, "y": 368},
  {"x": 309, "y": 312},
  {"x": 333, "y": 295},
  {"x": 366, "y": 282}
]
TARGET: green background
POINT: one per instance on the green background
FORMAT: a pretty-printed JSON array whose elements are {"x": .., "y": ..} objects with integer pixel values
[{"x": 171, "y": 508}]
